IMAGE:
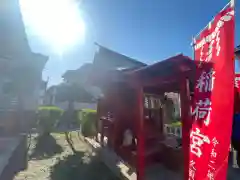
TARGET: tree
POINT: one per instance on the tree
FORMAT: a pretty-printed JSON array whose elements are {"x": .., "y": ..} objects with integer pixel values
[{"x": 73, "y": 93}]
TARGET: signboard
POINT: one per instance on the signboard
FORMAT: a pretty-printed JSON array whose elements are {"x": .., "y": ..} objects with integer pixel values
[{"x": 212, "y": 108}]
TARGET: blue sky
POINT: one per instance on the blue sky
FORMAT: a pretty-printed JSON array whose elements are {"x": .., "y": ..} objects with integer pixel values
[{"x": 148, "y": 31}]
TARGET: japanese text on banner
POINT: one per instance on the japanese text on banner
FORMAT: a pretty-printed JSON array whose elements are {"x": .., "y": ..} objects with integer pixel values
[{"x": 207, "y": 146}]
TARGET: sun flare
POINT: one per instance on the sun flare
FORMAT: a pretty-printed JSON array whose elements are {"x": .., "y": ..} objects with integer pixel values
[{"x": 57, "y": 22}]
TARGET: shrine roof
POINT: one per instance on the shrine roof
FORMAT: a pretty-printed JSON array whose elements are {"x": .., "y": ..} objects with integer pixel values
[
  {"x": 170, "y": 66},
  {"x": 108, "y": 59}
]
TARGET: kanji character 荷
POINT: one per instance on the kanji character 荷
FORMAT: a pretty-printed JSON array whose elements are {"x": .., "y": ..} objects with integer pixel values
[{"x": 202, "y": 111}]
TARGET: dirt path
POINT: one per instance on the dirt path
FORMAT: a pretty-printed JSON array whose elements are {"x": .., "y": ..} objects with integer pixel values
[{"x": 53, "y": 159}]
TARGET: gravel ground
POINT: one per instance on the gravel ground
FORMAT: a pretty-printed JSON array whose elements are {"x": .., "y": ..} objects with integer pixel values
[{"x": 54, "y": 159}]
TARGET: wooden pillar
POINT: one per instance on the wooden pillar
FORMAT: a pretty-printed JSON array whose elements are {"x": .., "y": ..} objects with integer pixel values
[
  {"x": 140, "y": 134},
  {"x": 186, "y": 122},
  {"x": 98, "y": 123}
]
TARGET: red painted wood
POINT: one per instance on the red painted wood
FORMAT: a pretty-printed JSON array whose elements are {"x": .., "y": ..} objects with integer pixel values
[
  {"x": 186, "y": 121},
  {"x": 140, "y": 135}
]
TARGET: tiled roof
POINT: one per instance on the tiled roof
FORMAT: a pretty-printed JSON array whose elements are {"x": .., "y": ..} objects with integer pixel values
[{"x": 109, "y": 59}]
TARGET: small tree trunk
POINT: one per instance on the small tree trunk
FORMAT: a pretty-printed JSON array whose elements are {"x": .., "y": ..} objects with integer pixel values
[{"x": 70, "y": 142}]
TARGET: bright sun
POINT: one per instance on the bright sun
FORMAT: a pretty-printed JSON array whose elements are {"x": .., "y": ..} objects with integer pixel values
[{"x": 57, "y": 22}]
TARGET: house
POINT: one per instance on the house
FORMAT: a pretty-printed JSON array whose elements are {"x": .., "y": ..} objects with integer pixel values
[
  {"x": 104, "y": 60},
  {"x": 42, "y": 92},
  {"x": 20, "y": 71},
  {"x": 49, "y": 96}
]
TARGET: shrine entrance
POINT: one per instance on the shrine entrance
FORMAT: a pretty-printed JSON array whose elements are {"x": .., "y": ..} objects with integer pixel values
[{"x": 158, "y": 87}]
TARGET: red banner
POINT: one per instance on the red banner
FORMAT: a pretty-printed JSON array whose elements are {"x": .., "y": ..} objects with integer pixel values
[{"x": 212, "y": 108}]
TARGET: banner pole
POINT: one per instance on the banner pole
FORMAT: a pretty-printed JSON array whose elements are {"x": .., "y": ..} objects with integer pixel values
[
  {"x": 232, "y": 3},
  {"x": 193, "y": 45}
]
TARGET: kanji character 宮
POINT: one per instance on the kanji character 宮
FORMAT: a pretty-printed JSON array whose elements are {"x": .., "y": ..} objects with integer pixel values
[{"x": 197, "y": 140}]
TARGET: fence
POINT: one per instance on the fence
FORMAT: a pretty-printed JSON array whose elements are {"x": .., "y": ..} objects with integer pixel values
[{"x": 170, "y": 129}]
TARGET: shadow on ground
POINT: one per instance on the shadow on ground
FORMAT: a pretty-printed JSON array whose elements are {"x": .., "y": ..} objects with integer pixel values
[
  {"x": 46, "y": 147},
  {"x": 81, "y": 166}
]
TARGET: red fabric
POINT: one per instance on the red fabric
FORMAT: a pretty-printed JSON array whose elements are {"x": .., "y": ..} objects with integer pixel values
[
  {"x": 237, "y": 82},
  {"x": 212, "y": 108},
  {"x": 236, "y": 100},
  {"x": 237, "y": 93}
]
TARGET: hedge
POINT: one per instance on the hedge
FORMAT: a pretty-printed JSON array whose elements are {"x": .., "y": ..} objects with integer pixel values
[
  {"x": 177, "y": 124},
  {"x": 48, "y": 116},
  {"x": 88, "y": 120}
]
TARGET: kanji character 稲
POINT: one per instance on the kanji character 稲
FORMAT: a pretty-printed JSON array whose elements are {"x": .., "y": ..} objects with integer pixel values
[{"x": 205, "y": 82}]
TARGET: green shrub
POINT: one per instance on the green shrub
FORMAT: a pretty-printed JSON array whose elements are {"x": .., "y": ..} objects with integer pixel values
[
  {"x": 76, "y": 117},
  {"x": 177, "y": 124},
  {"x": 48, "y": 116},
  {"x": 88, "y": 120}
]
